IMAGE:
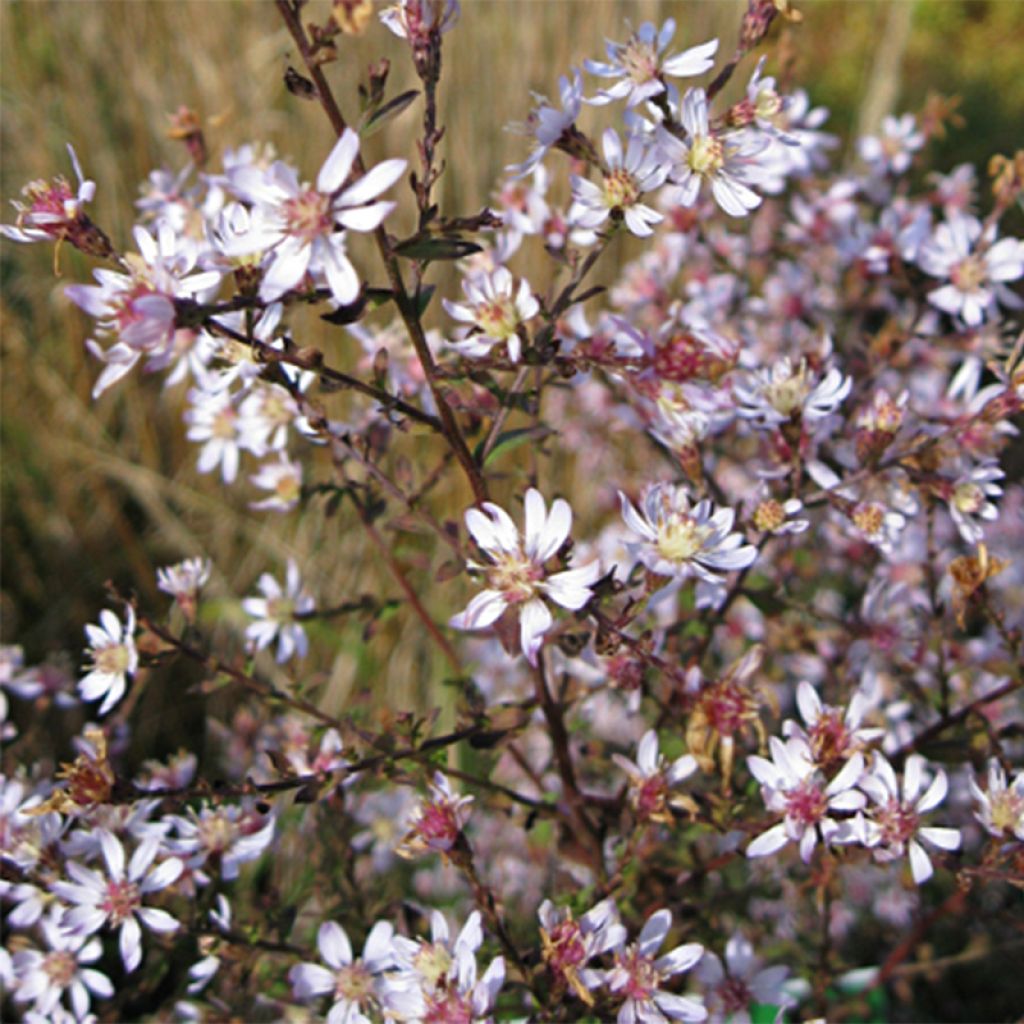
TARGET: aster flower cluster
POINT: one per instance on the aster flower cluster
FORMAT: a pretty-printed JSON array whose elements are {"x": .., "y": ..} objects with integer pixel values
[{"x": 718, "y": 562}]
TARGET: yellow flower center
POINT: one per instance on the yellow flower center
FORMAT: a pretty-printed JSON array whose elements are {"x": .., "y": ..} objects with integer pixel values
[
  {"x": 515, "y": 577},
  {"x": 498, "y": 318},
  {"x": 680, "y": 538},
  {"x": 706, "y": 155},
  {"x": 620, "y": 189},
  {"x": 769, "y": 516}
]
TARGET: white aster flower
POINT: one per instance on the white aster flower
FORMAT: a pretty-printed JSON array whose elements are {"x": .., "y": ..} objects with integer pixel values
[
  {"x": 724, "y": 160},
  {"x": 1001, "y": 806},
  {"x": 893, "y": 826},
  {"x": 354, "y": 984},
  {"x": 892, "y": 151},
  {"x": 302, "y": 230},
  {"x": 626, "y": 178},
  {"x": 276, "y": 612},
  {"x": 436, "y": 822},
  {"x": 975, "y": 265},
  {"x": 228, "y": 835},
  {"x": 114, "y": 658},
  {"x": 136, "y": 310},
  {"x": 651, "y": 780},
  {"x": 415, "y": 19},
  {"x": 183, "y": 581},
  {"x": 53, "y": 212},
  {"x": 569, "y": 945},
  {"x": 44, "y": 978},
  {"x": 641, "y": 68},
  {"x": 784, "y": 391},
  {"x": 283, "y": 478},
  {"x": 516, "y": 573},
  {"x": 683, "y": 540},
  {"x": 214, "y": 421},
  {"x": 969, "y": 500},
  {"x": 792, "y": 785},
  {"x": 496, "y": 308},
  {"x": 437, "y": 980},
  {"x": 639, "y": 973},
  {"x": 832, "y": 734},
  {"x": 547, "y": 124},
  {"x": 730, "y": 989},
  {"x": 115, "y": 900}
]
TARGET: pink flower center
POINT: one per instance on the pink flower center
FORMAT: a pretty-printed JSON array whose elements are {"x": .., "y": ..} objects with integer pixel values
[
  {"x": 122, "y": 898},
  {"x": 642, "y": 976},
  {"x": 640, "y": 61},
  {"x": 437, "y": 824},
  {"x": 650, "y": 796},
  {"x": 308, "y": 215},
  {"x": 449, "y": 1008},
  {"x": 734, "y": 994},
  {"x": 806, "y": 804},
  {"x": 727, "y": 707},
  {"x": 48, "y": 211},
  {"x": 830, "y": 739},
  {"x": 565, "y": 948},
  {"x": 898, "y": 822}
]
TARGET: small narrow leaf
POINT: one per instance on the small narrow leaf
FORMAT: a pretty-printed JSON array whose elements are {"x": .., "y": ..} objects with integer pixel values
[
  {"x": 390, "y": 109},
  {"x": 426, "y": 249}
]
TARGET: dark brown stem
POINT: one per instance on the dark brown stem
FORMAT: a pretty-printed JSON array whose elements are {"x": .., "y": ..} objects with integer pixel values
[
  {"x": 406, "y": 308},
  {"x": 270, "y": 354}
]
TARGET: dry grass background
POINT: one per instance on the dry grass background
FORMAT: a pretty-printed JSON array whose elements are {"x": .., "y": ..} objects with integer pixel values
[{"x": 107, "y": 490}]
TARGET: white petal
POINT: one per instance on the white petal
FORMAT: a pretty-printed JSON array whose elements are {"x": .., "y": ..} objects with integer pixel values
[{"x": 338, "y": 163}]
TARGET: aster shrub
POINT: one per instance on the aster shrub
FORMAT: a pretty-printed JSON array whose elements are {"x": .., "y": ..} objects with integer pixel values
[{"x": 706, "y": 445}]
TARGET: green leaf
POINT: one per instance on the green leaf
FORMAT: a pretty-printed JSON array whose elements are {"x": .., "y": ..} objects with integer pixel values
[
  {"x": 507, "y": 441},
  {"x": 426, "y": 249},
  {"x": 391, "y": 109},
  {"x": 763, "y": 1013}
]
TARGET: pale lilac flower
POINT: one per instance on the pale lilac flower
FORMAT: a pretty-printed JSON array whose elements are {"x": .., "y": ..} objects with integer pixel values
[
  {"x": 681, "y": 539},
  {"x": 354, "y": 984},
  {"x": 892, "y": 151},
  {"x": 1001, "y": 806},
  {"x": 115, "y": 900},
  {"x": 893, "y": 826},
  {"x": 969, "y": 500},
  {"x": 415, "y": 19},
  {"x": 832, "y": 734},
  {"x": 724, "y": 160},
  {"x": 639, "y": 973},
  {"x": 641, "y": 68},
  {"x": 53, "y": 213},
  {"x": 569, "y": 945},
  {"x": 516, "y": 573},
  {"x": 548, "y": 124},
  {"x": 114, "y": 658},
  {"x": 626, "y": 178},
  {"x": 301, "y": 228},
  {"x": 437, "y": 980},
  {"x": 976, "y": 267},
  {"x": 497, "y": 309},
  {"x": 227, "y": 835},
  {"x": 136, "y": 309},
  {"x": 651, "y": 780},
  {"x": 44, "y": 978},
  {"x": 202, "y": 971},
  {"x": 436, "y": 823},
  {"x": 214, "y": 421},
  {"x": 777, "y": 394},
  {"x": 283, "y": 478},
  {"x": 730, "y": 989},
  {"x": 792, "y": 785},
  {"x": 779, "y": 517},
  {"x": 276, "y": 613},
  {"x": 183, "y": 581}
]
